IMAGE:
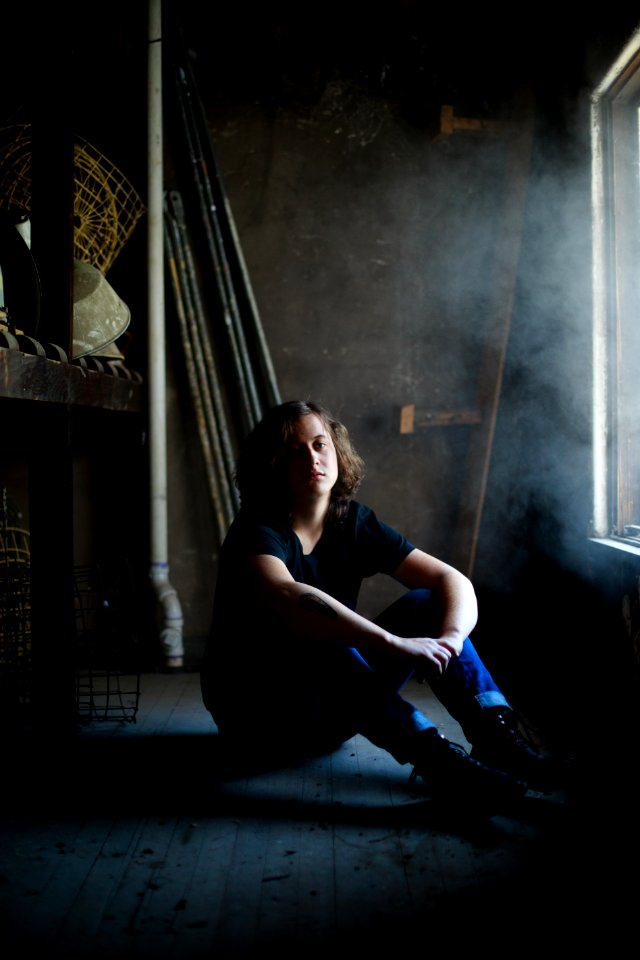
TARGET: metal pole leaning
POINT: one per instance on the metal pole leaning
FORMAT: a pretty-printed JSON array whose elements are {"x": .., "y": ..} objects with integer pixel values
[
  {"x": 234, "y": 252},
  {"x": 200, "y": 138},
  {"x": 173, "y": 257},
  {"x": 246, "y": 384},
  {"x": 205, "y": 373},
  {"x": 208, "y": 364},
  {"x": 203, "y": 141}
]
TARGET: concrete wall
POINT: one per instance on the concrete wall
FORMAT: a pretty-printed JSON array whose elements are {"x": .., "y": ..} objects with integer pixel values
[{"x": 397, "y": 262}]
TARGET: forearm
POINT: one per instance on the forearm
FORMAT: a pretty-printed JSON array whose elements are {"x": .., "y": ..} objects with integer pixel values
[
  {"x": 456, "y": 592},
  {"x": 316, "y": 616},
  {"x": 309, "y": 612}
]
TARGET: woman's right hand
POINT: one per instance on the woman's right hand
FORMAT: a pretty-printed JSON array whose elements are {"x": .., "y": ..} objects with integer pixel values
[{"x": 431, "y": 656}]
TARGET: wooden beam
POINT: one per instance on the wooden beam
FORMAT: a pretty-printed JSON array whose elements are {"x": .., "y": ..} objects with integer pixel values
[
  {"x": 506, "y": 257},
  {"x": 409, "y": 419},
  {"x": 449, "y": 123}
]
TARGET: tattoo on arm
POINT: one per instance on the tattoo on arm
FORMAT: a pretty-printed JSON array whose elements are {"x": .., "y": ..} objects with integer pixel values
[{"x": 311, "y": 602}]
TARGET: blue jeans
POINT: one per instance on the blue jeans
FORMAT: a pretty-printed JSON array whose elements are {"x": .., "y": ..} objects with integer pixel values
[
  {"x": 296, "y": 694},
  {"x": 464, "y": 689}
]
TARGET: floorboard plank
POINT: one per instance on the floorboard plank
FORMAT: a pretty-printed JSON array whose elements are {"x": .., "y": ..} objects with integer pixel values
[{"x": 143, "y": 842}]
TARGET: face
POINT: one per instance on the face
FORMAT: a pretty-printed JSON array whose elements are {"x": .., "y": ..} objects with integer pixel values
[{"x": 312, "y": 464}]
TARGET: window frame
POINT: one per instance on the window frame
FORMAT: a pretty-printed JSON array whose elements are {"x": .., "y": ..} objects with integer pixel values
[{"x": 615, "y": 151}]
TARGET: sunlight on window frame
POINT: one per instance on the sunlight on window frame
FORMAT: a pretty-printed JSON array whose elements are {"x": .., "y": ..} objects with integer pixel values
[{"x": 615, "y": 146}]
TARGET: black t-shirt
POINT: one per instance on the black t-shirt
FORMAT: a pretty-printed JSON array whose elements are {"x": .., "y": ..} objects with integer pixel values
[
  {"x": 244, "y": 674},
  {"x": 359, "y": 546}
]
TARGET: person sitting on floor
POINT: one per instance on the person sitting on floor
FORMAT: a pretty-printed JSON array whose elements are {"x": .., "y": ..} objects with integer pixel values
[{"x": 292, "y": 669}]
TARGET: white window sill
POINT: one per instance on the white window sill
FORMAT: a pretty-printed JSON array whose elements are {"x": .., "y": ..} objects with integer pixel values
[{"x": 622, "y": 546}]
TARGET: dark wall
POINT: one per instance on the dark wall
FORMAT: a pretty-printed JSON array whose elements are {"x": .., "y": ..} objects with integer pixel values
[{"x": 381, "y": 254}]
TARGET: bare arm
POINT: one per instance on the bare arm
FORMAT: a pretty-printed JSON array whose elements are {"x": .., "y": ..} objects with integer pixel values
[
  {"x": 459, "y": 601},
  {"x": 309, "y": 611}
]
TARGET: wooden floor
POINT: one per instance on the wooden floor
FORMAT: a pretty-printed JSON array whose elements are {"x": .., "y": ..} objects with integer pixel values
[{"x": 139, "y": 842}]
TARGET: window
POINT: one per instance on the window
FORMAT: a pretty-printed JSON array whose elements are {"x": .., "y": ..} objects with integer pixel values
[{"x": 616, "y": 304}]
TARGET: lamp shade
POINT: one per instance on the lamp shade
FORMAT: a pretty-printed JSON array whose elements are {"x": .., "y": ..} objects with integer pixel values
[{"x": 99, "y": 315}]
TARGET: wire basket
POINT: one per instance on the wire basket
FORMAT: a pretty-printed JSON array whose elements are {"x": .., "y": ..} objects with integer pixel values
[
  {"x": 15, "y": 622},
  {"x": 106, "y": 207},
  {"x": 106, "y": 649},
  {"x": 107, "y": 674},
  {"x": 15, "y": 170}
]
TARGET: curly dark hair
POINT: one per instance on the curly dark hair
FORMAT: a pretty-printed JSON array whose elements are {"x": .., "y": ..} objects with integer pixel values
[{"x": 261, "y": 466}]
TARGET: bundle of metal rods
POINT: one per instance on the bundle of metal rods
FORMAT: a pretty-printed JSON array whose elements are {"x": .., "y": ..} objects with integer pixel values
[{"x": 229, "y": 369}]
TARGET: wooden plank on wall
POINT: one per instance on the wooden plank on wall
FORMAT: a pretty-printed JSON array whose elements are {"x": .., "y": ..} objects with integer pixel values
[{"x": 491, "y": 371}]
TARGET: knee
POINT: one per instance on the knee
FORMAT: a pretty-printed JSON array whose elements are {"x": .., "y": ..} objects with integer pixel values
[
  {"x": 414, "y": 610},
  {"x": 418, "y": 595}
]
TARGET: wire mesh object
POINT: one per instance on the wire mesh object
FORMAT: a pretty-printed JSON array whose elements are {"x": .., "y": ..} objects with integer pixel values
[
  {"x": 107, "y": 661},
  {"x": 108, "y": 674},
  {"x": 106, "y": 207},
  {"x": 15, "y": 616}
]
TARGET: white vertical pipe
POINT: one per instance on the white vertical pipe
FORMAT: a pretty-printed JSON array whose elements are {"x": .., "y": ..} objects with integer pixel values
[{"x": 171, "y": 641}]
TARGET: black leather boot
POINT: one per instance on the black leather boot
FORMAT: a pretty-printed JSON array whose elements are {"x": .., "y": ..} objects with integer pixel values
[
  {"x": 450, "y": 774},
  {"x": 499, "y": 742}
]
